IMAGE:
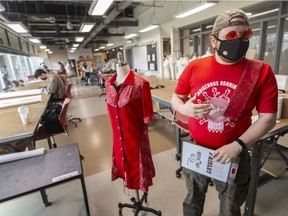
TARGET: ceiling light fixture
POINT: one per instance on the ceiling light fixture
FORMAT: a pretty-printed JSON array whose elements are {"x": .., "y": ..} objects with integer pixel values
[
  {"x": 17, "y": 27},
  {"x": 86, "y": 27},
  {"x": 79, "y": 39},
  {"x": 130, "y": 35},
  {"x": 75, "y": 45},
  {"x": 197, "y": 8},
  {"x": 2, "y": 8},
  {"x": 110, "y": 44},
  {"x": 98, "y": 8},
  {"x": 148, "y": 28},
  {"x": 35, "y": 40},
  {"x": 69, "y": 25},
  {"x": 263, "y": 13},
  {"x": 43, "y": 47}
]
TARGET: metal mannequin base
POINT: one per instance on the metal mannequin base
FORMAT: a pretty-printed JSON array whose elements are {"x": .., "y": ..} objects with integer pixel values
[{"x": 137, "y": 205}]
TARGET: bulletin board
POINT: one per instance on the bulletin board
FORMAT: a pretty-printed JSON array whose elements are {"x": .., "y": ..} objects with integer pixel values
[{"x": 152, "y": 57}]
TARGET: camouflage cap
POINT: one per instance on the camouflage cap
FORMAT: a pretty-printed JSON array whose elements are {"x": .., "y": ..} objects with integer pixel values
[{"x": 224, "y": 19}]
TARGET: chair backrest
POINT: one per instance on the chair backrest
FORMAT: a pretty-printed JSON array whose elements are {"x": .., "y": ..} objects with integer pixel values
[
  {"x": 63, "y": 114},
  {"x": 68, "y": 90},
  {"x": 181, "y": 121}
]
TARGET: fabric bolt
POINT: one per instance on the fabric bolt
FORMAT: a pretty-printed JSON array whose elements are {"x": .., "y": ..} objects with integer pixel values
[
  {"x": 130, "y": 110},
  {"x": 215, "y": 84}
]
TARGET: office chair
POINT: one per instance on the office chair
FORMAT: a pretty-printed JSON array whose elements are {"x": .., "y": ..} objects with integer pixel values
[
  {"x": 182, "y": 131},
  {"x": 41, "y": 132},
  {"x": 102, "y": 80},
  {"x": 71, "y": 118}
]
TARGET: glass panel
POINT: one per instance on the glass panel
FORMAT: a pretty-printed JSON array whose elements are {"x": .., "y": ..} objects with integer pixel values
[
  {"x": 24, "y": 67},
  {"x": 283, "y": 66},
  {"x": 186, "y": 46},
  {"x": 6, "y": 72},
  {"x": 270, "y": 43},
  {"x": 16, "y": 64},
  {"x": 207, "y": 45},
  {"x": 254, "y": 46}
]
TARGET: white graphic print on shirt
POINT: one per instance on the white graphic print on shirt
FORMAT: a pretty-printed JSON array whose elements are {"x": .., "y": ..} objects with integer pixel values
[{"x": 218, "y": 102}]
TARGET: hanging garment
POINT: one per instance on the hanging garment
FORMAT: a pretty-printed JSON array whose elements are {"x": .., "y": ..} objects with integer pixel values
[
  {"x": 130, "y": 110},
  {"x": 166, "y": 69}
]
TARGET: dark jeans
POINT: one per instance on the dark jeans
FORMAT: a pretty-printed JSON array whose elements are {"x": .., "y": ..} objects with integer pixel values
[{"x": 231, "y": 196}]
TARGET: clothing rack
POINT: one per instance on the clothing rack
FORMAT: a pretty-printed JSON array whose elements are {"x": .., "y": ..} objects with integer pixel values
[{"x": 137, "y": 205}]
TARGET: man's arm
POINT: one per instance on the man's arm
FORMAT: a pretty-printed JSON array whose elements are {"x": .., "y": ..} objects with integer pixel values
[
  {"x": 256, "y": 131},
  {"x": 188, "y": 108}
]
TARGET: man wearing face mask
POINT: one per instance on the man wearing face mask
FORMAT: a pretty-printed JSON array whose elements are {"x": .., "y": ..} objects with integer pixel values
[
  {"x": 224, "y": 89},
  {"x": 56, "y": 86}
]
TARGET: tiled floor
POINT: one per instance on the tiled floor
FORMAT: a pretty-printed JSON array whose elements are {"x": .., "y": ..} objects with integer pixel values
[{"x": 94, "y": 137}]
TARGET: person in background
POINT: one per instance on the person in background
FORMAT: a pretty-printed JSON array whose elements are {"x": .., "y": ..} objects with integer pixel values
[
  {"x": 87, "y": 73},
  {"x": 61, "y": 69},
  {"x": 56, "y": 86},
  {"x": 220, "y": 114},
  {"x": 44, "y": 66}
]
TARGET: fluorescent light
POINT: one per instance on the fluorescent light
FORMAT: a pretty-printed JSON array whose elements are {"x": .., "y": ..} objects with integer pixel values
[
  {"x": 130, "y": 35},
  {"x": 110, "y": 44},
  {"x": 86, "y": 27},
  {"x": 79, "y": 39},
  {"x": 129, "y": 41},
  {"x": 149, "y": 28},
  {"x": 98, "y": 8},
  {"x": 196, "y": 9},
  {"x": 75, "y": 45},
  {"x": 102, "y": 47},
  {"x": 50, "y": 52},
  {"x": 43, "y": 47},
  {"x": 73, "y": 48},
  {"x": 96, "y": 50},
  {"x": 69, "y": 25},
  {"x": 72, "y": 51},
  {"x": 35, "y": 40},
  {"x": 47, "y": 50},
  {"x": 17, "y": 27},
  {"x": 2, "y": 8},
  {"x": 264, "y": 13}
]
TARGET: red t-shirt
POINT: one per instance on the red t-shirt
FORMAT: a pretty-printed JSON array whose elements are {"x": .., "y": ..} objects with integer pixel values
[{"x": 215, "y": 83}]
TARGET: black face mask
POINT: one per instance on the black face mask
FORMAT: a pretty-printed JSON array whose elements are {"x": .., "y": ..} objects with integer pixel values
[
  {"x": 235, "y": 50},
  {"x": 43, "y": 78}
]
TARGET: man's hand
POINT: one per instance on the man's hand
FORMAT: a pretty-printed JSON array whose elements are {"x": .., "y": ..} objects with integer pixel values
[
  {"x": 195, "y": 110},
  {"x": 227, "y": 152}
]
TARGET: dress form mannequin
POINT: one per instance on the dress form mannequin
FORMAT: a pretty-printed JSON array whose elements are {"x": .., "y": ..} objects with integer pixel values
[
  {"x": 129, "y": 105},
  {"x": 122, "y": 69},
  {"x": 172, "y": 65},
  {"x": 181, "y": 63},
  {"x": 166, "y": 68}
]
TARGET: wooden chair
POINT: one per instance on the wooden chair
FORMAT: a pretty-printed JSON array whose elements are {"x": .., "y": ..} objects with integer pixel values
[{"x": 41, "y": 132}]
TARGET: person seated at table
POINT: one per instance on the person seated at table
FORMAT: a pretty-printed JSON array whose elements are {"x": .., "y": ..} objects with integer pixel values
[
  {"x": 87, "y": 73},
  {"x": 57, "y": 85}
]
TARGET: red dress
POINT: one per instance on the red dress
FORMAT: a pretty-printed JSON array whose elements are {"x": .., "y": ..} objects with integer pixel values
[{"x": 130, "y": 110}]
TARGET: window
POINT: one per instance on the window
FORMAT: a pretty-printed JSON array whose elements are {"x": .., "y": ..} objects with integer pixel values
[
  {"x": 283, "y": 65},
  {"x": 270, "y": 43}
]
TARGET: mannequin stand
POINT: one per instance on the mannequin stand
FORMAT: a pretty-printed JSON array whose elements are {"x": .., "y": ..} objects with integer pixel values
[{"x": 137, "y": 205}]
